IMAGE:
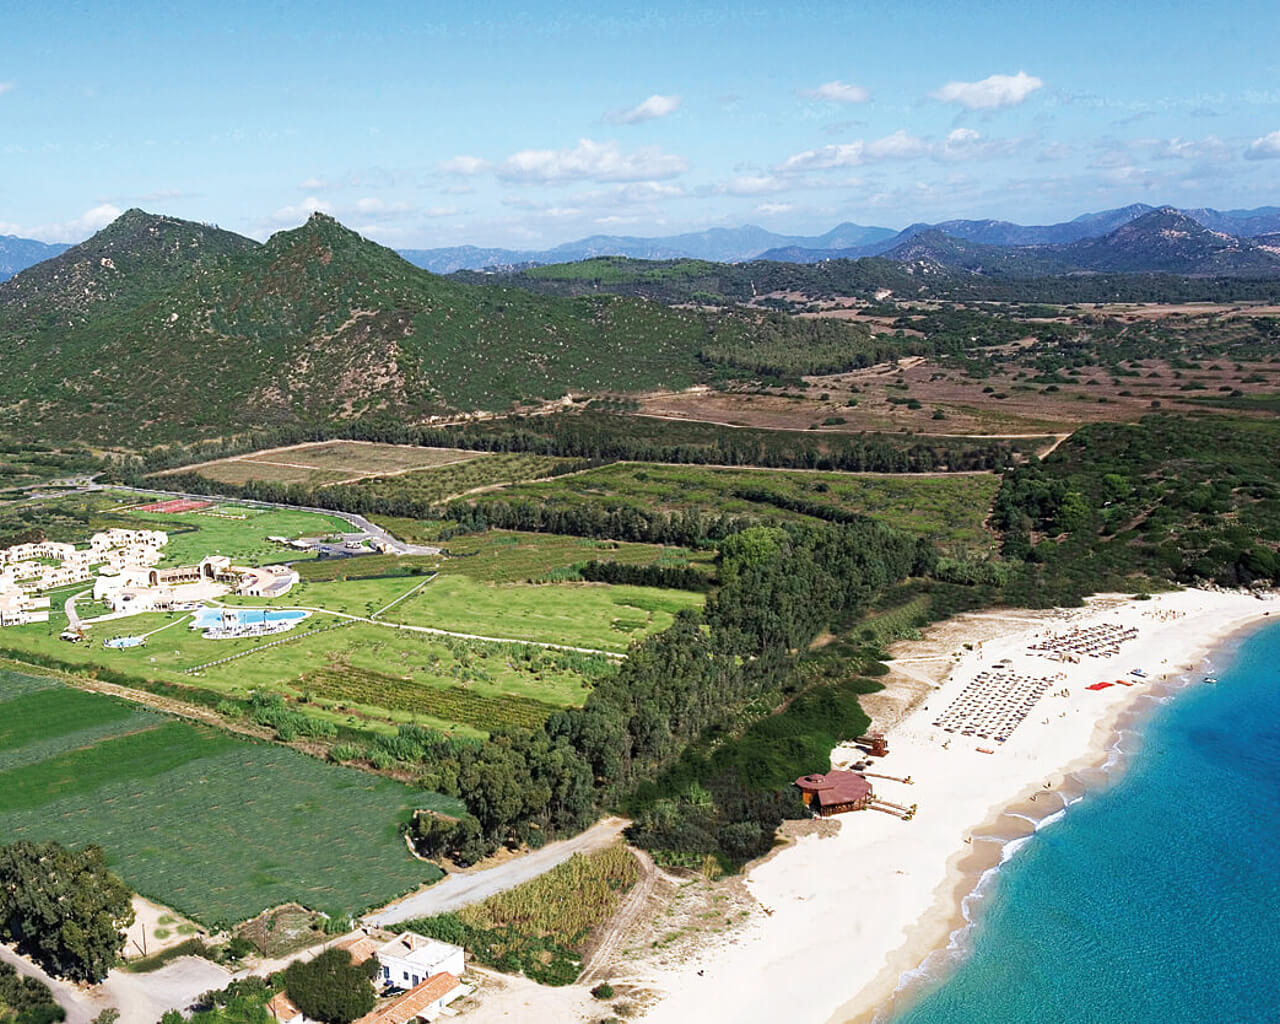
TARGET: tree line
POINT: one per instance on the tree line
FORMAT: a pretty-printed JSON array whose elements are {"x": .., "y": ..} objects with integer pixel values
[{"x": 781, "y": 587}]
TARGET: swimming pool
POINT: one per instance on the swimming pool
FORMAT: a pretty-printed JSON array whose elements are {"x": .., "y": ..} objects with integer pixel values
[
  {"x": 119, "y": 643},
  {"x": 207, "y": 618}
]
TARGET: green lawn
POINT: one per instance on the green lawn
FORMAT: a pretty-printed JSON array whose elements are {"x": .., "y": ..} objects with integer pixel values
[
  {"x": 212, "y": 825},
  {"x": 577, "y": 614},
  {"x": 193, "y": 535}
]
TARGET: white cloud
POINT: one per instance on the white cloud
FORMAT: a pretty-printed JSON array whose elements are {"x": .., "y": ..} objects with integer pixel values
[
  {"x": 898, "y": 146},
  {"x": 1210, "y": 148},
  {"x": 97, "y": 218},
  {"x": 1267, "y": 147},
  {"x": 751, "y": 185},
  {"x": 371, "y": 205},
  {"x": 838, "y": 92},
  {"x": 300, "y": 211},
  {"x": 599, "y": 161},
  {"x": 313, "y": 184},
  {"x": 654, "y": 107},
  {"x": 5, "y": 87},
  {"x": 440, "y": 211},
  {"x": 967, "y": 144},
  {"x": 844, "y": 154},
  {"x": 990, "y": 93},
  {"x": 468, "y": 166},
  {"x": 772, "y": 208},
  {"x": 1055, "y": 151}
]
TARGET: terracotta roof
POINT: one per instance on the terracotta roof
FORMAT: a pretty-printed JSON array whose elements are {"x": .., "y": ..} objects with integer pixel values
[
  {"x": 361, "y": 947},
  {"x": 836, "y": 787},
  {"x": 282, "y": 1008},
  {"x": 405, "y": 1008}
]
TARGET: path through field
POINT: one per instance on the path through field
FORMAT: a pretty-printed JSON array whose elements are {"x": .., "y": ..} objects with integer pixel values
[
  {"x": 459, "y": 890},
  {"x": 620, "y": 924}
]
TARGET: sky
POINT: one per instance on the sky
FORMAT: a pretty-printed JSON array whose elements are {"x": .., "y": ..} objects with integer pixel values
[{"x": 425, "y": 124}]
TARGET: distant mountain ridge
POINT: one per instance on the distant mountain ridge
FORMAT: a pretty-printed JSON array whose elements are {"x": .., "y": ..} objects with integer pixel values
[
  {"x": 1240, "y": 223},
  {"x": 1163, "y": 240},
  {"x": 716, "y": 245},
  {"x": 16, "y": 254}
]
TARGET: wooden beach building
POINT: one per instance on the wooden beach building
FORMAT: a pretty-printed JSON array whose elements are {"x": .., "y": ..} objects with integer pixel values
[{"x": 835, "y": 792}]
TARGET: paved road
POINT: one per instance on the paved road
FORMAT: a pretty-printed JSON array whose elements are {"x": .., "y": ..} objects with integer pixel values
[
  {"x": 79, "y": 1009},
  {"x": 457, "y": 891},
  {"x": 359, "y": 522}
]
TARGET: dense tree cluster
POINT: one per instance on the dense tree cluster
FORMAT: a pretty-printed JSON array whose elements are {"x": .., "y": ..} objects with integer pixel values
[
  {"x": 780, "y": 587},
  {"x": 331, "y": 987},
  {"x": 63, "y": 908},
  {"x": 1181, "y": 499}
]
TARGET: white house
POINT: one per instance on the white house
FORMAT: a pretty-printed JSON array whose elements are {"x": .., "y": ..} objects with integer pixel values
[
  {"x": 426, "y": 1001},
  {"x": 408, "y": 960}
]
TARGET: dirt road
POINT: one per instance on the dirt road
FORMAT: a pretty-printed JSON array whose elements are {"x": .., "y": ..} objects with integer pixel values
[{"x": 458, "y": 890}]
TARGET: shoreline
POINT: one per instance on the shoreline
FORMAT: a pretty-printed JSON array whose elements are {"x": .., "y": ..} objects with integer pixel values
[{"x": 898, "y": 900}]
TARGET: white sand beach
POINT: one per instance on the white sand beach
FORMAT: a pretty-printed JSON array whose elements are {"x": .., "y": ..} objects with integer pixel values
[{"x": 846, "y": 916}]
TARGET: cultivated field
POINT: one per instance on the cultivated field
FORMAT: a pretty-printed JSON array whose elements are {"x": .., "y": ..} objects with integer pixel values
[
  {"x": 326, "y": 462},
  {"x": 216, "y": 827},
  {"x": 948, "y": 508}
]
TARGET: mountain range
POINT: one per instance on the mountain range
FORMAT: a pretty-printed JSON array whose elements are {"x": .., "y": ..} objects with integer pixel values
[
  {"x": 735, "y": 245},
  {"x": 158, "y": 329},
  {"x": 19, "y": 253},
  {"x": 1163, "y": 240},
  {"x": 845, "y": 241}
]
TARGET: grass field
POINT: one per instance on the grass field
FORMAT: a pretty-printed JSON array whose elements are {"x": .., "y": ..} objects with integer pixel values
[
  {"x": 193, "y": 535},
  {"x": 329, "y": 462},
  {"x": 506, "y": 556},
  {"x": 950, "y": 509},
  {"x": 212, "y": 825}
]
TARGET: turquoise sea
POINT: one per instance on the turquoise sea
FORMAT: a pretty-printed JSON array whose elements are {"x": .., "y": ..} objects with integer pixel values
[{"x": 1154, "y": 901}]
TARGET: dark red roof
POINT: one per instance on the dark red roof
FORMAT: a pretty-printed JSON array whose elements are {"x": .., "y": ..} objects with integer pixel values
[{"x": 836, "y": 787}]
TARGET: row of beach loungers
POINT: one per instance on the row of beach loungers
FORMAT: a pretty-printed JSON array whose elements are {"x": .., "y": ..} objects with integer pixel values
[
  {"x": 1098, "y": 641},
  {"x": 993, "y": 704}
]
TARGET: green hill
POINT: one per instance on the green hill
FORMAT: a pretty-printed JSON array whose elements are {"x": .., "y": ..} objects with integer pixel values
[{"x": 157, "y": 329}]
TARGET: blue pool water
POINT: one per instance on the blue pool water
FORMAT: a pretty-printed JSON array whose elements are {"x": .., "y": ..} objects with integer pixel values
[
  {"x": 207, "y": 618},
  {"x": 121, "y": 642},
  {"x": 1156, "y": 901}
]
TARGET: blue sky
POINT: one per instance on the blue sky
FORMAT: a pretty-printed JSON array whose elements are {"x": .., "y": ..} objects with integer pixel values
[{"x": 432, "y": 123}]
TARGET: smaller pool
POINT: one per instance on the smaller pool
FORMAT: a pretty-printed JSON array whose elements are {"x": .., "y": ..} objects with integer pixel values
[{"x": 119, "y": 643}]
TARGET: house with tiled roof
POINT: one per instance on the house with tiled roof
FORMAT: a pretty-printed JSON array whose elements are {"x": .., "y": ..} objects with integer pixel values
[
  {"x": 282, "y": 1009},
  {"x": 424, "y": 1002}
]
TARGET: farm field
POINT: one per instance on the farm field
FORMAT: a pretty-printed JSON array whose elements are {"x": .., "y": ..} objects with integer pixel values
[
  {"x": 432, "y": 486},
  {"x": 326, "y": 462},
  {"x": 947, "y": 508},
  {"x": 508, "y": 556},
  {"x": 217, "y": 827}
]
